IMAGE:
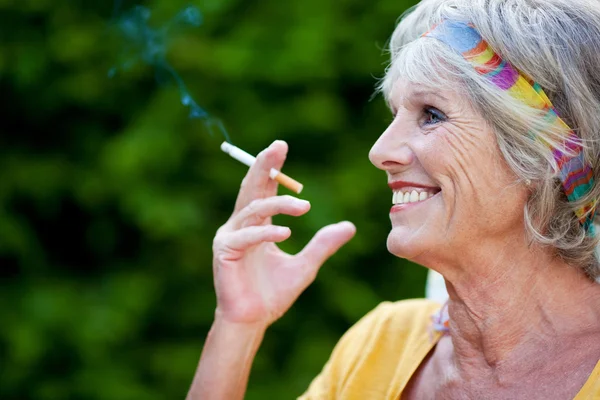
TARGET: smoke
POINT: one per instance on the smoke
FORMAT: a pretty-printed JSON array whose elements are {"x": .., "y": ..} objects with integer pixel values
[{"x": 145, "y": 44}]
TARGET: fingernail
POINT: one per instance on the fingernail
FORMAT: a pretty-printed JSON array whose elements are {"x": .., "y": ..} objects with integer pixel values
[
  {"x": 301, "y": 202},
  {"x": 282, "y": 230},
  {"x": 268, "y": 148},
  {"x": 348, "y": 223},
  {"x": 278, "y": 141}
]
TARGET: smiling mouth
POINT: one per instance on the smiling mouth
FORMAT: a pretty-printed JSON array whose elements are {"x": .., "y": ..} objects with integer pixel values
[{"x": 415, "y": 195}]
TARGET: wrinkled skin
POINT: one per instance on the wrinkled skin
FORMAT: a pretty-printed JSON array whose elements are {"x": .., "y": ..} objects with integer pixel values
[{"x": 520, "y": 317}]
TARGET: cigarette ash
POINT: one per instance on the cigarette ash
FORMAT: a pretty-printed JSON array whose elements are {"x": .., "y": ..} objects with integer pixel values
[{"x": 147, "y": 45}]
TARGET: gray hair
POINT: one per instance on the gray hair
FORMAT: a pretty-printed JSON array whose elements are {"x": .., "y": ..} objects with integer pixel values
[{"x": 557, "y": 44}]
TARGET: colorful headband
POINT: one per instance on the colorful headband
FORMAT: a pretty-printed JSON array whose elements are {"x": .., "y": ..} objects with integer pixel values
[{"x": 576, "y": 175}]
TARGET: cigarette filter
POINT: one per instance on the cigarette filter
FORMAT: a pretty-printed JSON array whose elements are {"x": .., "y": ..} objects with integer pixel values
[{"x": 249, "y": 160}]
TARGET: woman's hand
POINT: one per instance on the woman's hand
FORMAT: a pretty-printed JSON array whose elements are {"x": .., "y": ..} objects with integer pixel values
[{"x": 256, "y": 282}]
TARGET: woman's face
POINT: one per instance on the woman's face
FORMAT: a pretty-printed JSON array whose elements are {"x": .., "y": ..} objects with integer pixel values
[{"x": 451, "y": 187}]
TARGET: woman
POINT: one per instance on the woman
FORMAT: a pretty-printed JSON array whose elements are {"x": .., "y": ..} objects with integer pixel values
[{"x": 493, "y": 160}]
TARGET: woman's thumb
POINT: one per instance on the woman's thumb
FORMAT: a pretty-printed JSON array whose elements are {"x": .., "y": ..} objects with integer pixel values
[{"x": 324, "y": 244}]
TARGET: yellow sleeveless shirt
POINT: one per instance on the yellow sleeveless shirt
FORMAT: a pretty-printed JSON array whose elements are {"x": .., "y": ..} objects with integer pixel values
[{"x": 377, "y": 357}]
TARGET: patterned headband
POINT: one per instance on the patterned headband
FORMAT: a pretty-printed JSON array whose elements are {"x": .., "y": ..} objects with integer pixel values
[{"x": 575, "y": 174}]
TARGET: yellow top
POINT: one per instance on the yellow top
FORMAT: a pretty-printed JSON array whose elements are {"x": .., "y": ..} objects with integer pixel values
[{"x": 377, "y": 357}]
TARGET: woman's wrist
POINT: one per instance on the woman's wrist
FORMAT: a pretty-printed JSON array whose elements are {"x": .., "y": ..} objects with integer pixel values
[
  {"x": 226, "y": 360},
  {"x": 240, "y": 330},
  {"x": 239, "y": 323}
]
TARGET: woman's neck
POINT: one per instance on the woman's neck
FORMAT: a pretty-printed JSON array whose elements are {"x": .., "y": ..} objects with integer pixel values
[{"x": 526, "y": 306}]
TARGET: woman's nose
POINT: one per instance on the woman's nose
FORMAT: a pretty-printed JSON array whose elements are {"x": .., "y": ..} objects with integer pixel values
[{"x": 391, "y": 150}]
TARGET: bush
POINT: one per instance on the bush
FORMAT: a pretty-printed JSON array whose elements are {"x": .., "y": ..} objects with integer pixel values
[{"x": 110, "y": 195}]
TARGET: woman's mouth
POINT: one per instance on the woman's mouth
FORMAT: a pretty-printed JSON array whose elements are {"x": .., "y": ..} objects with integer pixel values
[{"x": 405, "y": 197}]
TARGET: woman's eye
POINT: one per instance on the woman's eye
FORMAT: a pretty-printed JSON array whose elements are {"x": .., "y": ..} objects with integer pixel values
[{"x": 433, "y": 116}]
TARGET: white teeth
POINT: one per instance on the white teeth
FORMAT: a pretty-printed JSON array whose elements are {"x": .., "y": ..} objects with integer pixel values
[
  {"x": 410, "y": 197},
  {"x": 414, "y": 196}
]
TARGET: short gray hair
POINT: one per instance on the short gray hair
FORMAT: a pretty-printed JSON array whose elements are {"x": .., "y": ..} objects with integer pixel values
[{"x": 557, "y": 44}]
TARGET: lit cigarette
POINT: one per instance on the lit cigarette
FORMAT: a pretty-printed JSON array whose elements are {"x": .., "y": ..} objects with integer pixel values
[{"x": 249, "y": 160}]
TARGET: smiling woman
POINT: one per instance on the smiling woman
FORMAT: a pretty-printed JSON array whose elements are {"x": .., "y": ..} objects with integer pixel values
[
  {"x": 492, "y": 157},
  {"x": 453, "y": 157}
]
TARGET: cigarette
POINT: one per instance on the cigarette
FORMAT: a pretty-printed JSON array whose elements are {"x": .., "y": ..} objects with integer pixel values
[{"x": 249, "y": 160}]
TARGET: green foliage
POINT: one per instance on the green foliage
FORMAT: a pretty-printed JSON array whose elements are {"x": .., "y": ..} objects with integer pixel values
[{"x": 110, "y": 195}]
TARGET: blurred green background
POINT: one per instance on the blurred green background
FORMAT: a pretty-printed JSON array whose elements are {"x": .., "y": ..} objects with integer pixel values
[{"x": 110, "y": 196}]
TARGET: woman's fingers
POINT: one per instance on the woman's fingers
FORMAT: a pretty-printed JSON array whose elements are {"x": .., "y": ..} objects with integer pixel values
[
  {"x": 323, "y": 245},
  {"x": 231, "y": 246},
  {"x": 257, "y": 183},
  {"x": 259, "y": 210},
  {"x": 272, "y": 185}
]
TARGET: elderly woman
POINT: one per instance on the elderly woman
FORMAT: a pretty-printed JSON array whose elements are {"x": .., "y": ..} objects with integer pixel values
[{"x": 493, "y": 158}]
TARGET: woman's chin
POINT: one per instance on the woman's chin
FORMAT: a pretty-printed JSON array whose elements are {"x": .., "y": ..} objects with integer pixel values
[{"x": 405, "y": 245}]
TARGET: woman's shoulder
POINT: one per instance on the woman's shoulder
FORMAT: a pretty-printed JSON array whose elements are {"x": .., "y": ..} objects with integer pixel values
[
  {"x": 390, "y": 332},
  {"x": 378, "y": 354},
  {"x": 404, "y": 312},
  {"x": 395, "y": 322}
]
